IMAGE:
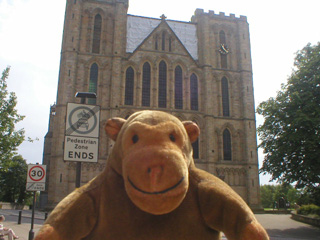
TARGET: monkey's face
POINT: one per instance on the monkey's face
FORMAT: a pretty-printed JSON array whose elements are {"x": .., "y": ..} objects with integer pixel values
[{"x": 155, "y": 162}]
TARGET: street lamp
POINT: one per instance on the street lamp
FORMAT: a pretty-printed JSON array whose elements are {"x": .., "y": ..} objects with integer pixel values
[{"x": 85, "y": 95}]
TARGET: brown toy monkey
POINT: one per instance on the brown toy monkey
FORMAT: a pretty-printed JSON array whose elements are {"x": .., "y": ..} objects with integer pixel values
[{"x": 151, "y": 189}]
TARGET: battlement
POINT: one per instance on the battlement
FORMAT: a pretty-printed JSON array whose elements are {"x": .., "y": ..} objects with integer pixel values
[
  {"x": 200, "y": 12},
  {"x": 113, "y": 1}
]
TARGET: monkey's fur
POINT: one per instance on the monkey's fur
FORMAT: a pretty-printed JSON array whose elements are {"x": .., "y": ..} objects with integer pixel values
[{"x": 151, "y": 189}]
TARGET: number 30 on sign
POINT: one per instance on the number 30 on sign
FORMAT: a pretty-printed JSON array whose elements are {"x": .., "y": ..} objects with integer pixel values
[{"x": 36, "y": 173}]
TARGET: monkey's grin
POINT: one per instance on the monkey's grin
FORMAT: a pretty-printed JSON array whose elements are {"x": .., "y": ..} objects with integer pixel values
[{"x": 156, "y": 193}]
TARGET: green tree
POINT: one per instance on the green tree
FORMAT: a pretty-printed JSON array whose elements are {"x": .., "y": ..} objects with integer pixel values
[
  {"x": 272, "y": 193},
  {"x": 280, "y": 192},
  {"x": 290, "y": 134},
  {"x": 13, "y": 181},
  {"x": 305, "y": 198},
  {"x": 293, "y": 195},
  {"x": 267, "y": 193},
  {"x": 10, "y": 138}
]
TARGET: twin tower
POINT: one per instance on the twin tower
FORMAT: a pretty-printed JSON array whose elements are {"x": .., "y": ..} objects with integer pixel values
[{"x": 198, "y": 70}]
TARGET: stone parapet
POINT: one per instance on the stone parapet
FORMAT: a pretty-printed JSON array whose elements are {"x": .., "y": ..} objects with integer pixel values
[
  {"x": 221, "y": 15},
  {"x": 13, "y": 206},
  {"x": 306, "y": 219}
]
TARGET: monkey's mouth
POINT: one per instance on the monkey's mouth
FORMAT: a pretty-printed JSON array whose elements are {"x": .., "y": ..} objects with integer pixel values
[{"x": 156, "y": 193}]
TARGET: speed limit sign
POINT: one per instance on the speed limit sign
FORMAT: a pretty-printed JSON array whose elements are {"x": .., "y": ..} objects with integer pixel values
[{"x": 36, "y": 177}]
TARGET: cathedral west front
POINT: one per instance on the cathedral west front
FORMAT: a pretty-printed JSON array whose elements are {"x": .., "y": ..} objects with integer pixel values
[{"x": 198, "y": 70}]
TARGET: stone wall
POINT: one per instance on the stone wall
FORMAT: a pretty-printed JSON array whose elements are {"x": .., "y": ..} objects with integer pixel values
[
  {"x": 306, "y": 219},
  {"x": 5, "y": 205}
]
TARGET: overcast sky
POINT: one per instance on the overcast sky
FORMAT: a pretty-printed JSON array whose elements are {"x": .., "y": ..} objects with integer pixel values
[{"x": 31, "y": 35}]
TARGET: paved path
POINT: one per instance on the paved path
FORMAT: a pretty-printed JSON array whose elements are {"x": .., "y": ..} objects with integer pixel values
[
  {"x": 278, "y": 226},
  {"x": 282, "y": 227},
  {"x": 22, "y": 230}
]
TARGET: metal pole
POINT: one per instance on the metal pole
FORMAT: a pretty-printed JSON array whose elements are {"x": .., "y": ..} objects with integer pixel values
[
  {"x": 78, "y": 166},
  {"x": 31, "y": 232},
  {"x": 19, "y": 218},
  {"x": 78, "y": 174}
]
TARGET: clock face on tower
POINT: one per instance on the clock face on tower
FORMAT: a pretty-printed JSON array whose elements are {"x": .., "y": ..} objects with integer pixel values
[{"x": 224, "y": 49}]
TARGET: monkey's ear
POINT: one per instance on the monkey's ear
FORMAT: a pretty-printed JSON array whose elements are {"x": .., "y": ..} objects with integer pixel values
[
  {"x": 192, "y": 130},
  {"x": 113, "y": 127}
]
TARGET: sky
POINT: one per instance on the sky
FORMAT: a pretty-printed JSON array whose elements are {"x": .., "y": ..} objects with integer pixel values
[{"x": 31, "y": 36}]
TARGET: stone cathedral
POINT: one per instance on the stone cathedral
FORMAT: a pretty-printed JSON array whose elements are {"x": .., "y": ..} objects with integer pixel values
[{"x": 198, "y": 70}]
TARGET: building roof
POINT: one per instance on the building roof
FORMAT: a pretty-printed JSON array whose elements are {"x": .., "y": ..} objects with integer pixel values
[{"x": 139, "y": 28}]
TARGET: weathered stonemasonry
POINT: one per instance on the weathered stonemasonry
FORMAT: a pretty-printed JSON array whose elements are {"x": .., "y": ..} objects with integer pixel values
[{"x": 198, "y": 70}]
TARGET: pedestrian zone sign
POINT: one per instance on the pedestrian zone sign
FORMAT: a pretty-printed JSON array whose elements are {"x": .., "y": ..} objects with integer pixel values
[
  {"x": 82, "y": 120},
  {"x": 81, "y": 141},
  {"x": 81, "y": 149}
]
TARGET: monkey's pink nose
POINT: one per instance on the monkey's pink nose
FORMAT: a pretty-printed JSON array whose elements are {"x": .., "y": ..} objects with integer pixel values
[{"x": 155, "y": 174}]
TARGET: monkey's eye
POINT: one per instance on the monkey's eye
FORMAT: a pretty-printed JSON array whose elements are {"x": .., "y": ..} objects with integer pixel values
[
  {"x": 135, "y": 138},
  {"x": 172, "y": 137}
]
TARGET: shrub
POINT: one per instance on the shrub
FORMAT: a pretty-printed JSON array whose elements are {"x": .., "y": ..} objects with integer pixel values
[{"x": 309, "y": 209}]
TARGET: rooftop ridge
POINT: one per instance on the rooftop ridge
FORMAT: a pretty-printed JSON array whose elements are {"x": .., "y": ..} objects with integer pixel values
[{"x": 159, "y": 19}]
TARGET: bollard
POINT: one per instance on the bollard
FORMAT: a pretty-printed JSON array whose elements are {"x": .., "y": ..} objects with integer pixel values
[
  {"x": 19, "y": 218},
  {"x": 31, "y": 234}
]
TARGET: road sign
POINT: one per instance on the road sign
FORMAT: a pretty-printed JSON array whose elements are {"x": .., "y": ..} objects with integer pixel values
[
  {"x": 82, "y": 132},
  {"x": 82, "y": 120},
  {"x": 36, "y": 177},
  {"x": 80, "y": 149},
  {"x": 36, "y": 186}
]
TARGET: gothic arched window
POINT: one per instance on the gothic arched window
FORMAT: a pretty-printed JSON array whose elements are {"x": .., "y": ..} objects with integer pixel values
[
  {"x": 146, "y": 78},
  {"x": 128, "y": 99},
  {"x": 195, "y": 147},
  {"x": 194, "y": 92},
  {"x": 223, "y": 57},
  {"x": 178, "y": 93},
  {"x": 227, "y": 146},
  {"x": 162, "y": 98},
  {"x": 225, "y": 97},
  {"x": 93, "y": 82},
  {"x": 163, "y": 47},
  {"x": 156, "y": 42},
  {"x": 96, "y": 34}
]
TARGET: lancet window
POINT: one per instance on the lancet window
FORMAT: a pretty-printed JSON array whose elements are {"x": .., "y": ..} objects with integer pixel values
[
  {"x": 96, "y": 34},
  {"x": 93, "y": 81},
  {"x": 162, "y": 90},
  {"x": 178, "y": 96},
  {"x": 194, "y": 92},
  {"x": 225, "y": 97},
  {"x": 128, "y": 99},
  {"x": 146, "y": 79}
]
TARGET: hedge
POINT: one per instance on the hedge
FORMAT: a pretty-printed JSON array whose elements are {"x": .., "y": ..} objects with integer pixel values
[{"x": 309, "y": 209}]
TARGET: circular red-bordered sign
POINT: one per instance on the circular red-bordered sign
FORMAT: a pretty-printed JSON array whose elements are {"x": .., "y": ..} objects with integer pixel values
[{"x": 37, "y": 174}]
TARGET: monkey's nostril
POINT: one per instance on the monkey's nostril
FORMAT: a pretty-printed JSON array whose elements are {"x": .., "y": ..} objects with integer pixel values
[
  {"x": 135, "y": 138},
  {"x": 149, "y": 170}
]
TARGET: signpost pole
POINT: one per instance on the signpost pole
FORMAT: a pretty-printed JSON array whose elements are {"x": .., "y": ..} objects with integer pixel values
[
  {"x": 36, "y": 180},
  {"x": 78, "y": 166},
  {"x": 83, "y": 96},
  {"x": 78, "y": 174},
  {"x": 31, "y": 232}
]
